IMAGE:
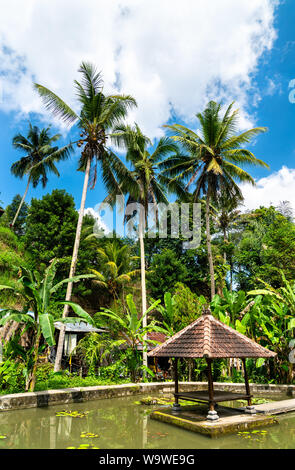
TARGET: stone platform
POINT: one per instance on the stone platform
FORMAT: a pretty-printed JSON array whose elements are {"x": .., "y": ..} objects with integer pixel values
[
  {"x": 193, "y": 418},
  {"x": 276, "y": 407}
]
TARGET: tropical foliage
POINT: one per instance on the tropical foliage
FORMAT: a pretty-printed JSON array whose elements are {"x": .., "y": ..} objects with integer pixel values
[
  {"x": 244, "y": 266},
  {"x": 37, "y": 293}
]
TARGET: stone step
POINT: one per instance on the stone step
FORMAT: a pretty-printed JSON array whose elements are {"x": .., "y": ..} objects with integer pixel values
[{"x": 276, "y": 407}]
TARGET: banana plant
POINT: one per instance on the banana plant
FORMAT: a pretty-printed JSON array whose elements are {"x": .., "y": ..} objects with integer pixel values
[
  {"x": 167, "y": 312},
  {"x": 132, "y": 332},
  {"x": 276, "y": 322},
  {"x": 230, "y": 303},
  {"x": 36, "y": 294}
]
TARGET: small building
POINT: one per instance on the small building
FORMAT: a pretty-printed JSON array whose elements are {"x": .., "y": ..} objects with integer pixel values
[
  {"x": 73, "y": 333},
  {"x": 209, "y": 338}
]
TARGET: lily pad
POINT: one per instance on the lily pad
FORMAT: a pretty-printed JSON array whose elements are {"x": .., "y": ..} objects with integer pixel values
[
  {"x": 84, "y": 446},
  {"x": 72, "y": 414},
  {"x": 89, "y": 435}
]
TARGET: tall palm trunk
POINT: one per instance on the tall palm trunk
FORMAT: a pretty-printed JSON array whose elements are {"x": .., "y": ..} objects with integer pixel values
[
  {"x": 225, "y": 241},
  {"x": 21, "y": 203},
  {"x": 142, "y": 270},
  {"x": 209, "y": 247},
  {"x": 61, "y": 338}
]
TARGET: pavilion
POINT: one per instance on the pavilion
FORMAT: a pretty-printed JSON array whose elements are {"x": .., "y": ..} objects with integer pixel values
[{"x": 209, "y": 338}]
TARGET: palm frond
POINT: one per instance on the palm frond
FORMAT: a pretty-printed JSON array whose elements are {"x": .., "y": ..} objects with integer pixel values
[{"x": 56, "y": 105}]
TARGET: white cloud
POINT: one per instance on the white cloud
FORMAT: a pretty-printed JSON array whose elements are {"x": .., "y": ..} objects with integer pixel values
[
  {"x": 275, "y": 188},
  {"x": 167, "y": 54},
  {"x": 99, "y": 223}
]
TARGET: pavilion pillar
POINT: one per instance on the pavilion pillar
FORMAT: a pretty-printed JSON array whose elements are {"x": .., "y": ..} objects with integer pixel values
[
  {"x": 250, "y": 408},
  {"x": 176, "y": 405},
  {"x": 212, "y": 415}
]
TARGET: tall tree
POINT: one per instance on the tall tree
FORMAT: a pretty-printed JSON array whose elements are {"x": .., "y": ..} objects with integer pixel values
[
  {"x": 213, "y": 160},
  {"x": 98, "y": 115},
  {"x": 116, "y": 267},
  {"x": 10, "y": 211},
  {"x": 39, "y": 159},
  {"x": 144, "y": 184}
]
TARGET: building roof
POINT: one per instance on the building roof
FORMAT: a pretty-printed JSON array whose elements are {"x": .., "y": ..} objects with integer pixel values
[
  {"x": 81, "y": 327},
  {"x": 209, "y": 337}
]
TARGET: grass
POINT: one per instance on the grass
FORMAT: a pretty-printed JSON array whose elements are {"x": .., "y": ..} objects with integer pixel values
[{"x": 64, "y": 381}]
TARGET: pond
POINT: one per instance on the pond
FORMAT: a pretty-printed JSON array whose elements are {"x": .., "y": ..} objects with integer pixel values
[{"x": 120, "y": 423}]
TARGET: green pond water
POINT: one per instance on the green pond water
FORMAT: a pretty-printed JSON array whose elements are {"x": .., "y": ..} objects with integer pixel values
[{"x": 119, "y": 423}]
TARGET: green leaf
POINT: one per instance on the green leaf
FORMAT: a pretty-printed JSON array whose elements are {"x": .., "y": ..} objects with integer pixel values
[
  {"x": 291, "y": 324},
  {"x": 71, "y": 279},
  {"x": 259, "y": 362},
  {"x": 240, "y": 328},
  {"x": 47, "y": 328},
  {"x": 80, "y": 312}
]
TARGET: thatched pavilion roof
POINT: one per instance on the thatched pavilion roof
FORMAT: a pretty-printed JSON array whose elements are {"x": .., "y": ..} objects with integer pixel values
[{"x": 210, "y": 338}]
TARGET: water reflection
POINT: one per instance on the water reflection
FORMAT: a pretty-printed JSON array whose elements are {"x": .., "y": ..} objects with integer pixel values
[{"x": 119, "y": 423}]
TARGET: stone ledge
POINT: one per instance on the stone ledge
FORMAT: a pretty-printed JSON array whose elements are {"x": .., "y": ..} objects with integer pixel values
[
  {"x": 100, "y": 392},
  {"x": 196, "y": 422}
]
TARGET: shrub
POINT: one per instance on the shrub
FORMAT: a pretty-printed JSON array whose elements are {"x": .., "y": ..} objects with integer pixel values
[
  {"x": 7, "y": 237},
  {"x": 12, "y": 378}
]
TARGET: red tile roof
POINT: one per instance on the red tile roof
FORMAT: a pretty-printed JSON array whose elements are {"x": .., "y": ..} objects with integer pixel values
[{"x": 209, "y": 337}]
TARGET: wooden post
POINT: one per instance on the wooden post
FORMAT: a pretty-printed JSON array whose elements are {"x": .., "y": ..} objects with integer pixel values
[
  {"x": 210, "y": 385},
  {"x": 212, "y": 415},
  {"x": 247, "y": 382},
  {"x": 175, "y": 367},
  {"x": 176, "y": 405}
]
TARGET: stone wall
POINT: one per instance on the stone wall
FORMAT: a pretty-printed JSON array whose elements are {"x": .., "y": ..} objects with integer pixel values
[{"x": 78, "y": 395}]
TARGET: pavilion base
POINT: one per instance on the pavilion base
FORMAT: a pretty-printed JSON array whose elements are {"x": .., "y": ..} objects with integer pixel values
[
  {"x": 176, "y": 407},
  {"x": 194, "y": 418},
  {"x": 251, "y": 410},
  {"x": 212, "y": 416}
]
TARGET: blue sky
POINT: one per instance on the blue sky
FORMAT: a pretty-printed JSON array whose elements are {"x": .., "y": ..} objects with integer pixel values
[{"x": 253, "y": 63}]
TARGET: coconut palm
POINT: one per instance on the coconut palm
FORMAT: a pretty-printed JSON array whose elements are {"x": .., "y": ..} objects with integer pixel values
[
  {"x": 225, "y": 214},
  {"x": 144, "y": 184},
  {"x": 98, "y": 115},
  {"x": 39, "y": 158},
  {"x": 214, "y": 159},
  {"x": 116, "y": 267}
]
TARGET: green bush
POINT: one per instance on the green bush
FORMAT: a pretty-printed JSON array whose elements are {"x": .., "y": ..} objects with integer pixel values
[
  {"x": 44, "y": 372},
  {"x": 9, "y": 260},
  {"x": 12, "y": 379},
  {"x": 114, "y": 372},
  {"x": 59, "y": 380},
  {"x": 8, "y": 238}
]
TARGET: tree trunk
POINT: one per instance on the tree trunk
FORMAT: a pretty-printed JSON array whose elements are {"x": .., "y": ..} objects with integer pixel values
[
  {"x": 225, "y": 241},
  {"x": 32, "y": 379},
  {"x": 142, "y": 270},
  {"x": 61, "y": 337},
  {"x": 21, "y": 203},
  {"x": 209, "y": 248}
]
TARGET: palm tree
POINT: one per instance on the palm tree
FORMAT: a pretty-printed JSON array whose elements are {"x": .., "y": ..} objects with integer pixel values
[
  {"x": 116, "y": 267},
  {"x": 225, "y": 214},
  {"x": 98, "y": 115},
  {"x": 214, "y": 159},
  {"x": 39, "y": 158},
  {"x": 144, "y": 184}
]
